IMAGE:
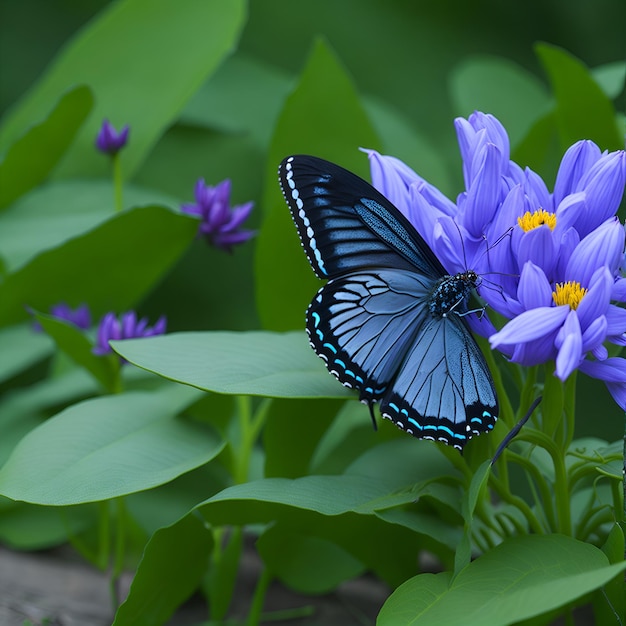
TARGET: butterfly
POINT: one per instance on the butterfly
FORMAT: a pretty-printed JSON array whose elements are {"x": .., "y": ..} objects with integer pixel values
[{"x": 390, "y": 321}]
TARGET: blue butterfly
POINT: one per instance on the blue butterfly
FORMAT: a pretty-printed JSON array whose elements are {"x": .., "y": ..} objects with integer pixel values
[{"x": 390, "y": 321}]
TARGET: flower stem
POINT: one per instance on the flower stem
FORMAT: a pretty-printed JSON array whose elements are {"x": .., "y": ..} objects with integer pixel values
[{"x": 117, "y": 182}]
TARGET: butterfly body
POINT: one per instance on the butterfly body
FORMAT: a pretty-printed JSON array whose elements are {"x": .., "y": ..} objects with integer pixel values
[{"x": 390, "y": 321}]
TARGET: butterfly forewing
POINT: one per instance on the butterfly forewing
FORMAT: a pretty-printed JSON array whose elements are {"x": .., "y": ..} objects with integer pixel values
[
  {"x": 389, "y": 322},
  {"x": 346, "y": 225}
]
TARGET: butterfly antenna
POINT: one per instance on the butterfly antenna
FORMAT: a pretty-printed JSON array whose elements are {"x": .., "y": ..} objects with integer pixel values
[{"x": 515, "y": 430}]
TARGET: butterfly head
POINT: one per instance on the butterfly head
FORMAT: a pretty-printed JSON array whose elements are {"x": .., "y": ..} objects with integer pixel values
[{"x": 450, "y": 293}]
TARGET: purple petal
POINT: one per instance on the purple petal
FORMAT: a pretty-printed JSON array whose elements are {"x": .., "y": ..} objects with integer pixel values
[
  {"x": 595, "y": 334},
  {"x": 616, "y": 321},
  {"x": 575, "y": 163},
  {"x": 534, "y": 289},
  {"x": 596, "y": 301},
  {"x": 569, "y": 343},
  {"x": 530, "y": 325}
]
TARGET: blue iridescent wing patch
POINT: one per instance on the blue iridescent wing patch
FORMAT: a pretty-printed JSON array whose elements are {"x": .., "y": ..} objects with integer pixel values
[{"x": 389, "y": 322}]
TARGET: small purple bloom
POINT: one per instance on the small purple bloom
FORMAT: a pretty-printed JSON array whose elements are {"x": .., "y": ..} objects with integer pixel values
[
  {"x": 79, "y": 317},
  {"x": 109, "y": 141},
  {"x": 220, "y": 224},
  {"x": 126, "y": 326}
]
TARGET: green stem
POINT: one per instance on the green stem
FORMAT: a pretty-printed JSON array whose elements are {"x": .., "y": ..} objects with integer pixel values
[
  {"x": 117, "y": 182},
  {"x": 249, "y": 429},
  {"x": 119, "y": 549},
  {"x": 517, "y": 502},
  {"x": 104, "y": 534},
  {"x": 258, "y": 600}
]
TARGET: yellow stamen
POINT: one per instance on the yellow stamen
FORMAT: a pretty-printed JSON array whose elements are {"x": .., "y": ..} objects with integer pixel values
[
  {"x": 570, "y": 293},
  {"x": 529, "y": 220}
]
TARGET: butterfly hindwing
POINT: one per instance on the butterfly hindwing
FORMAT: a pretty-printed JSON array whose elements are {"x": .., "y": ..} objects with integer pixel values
[
  {"x": 363, "y": 325},
  {"x": 444, "y": 389},
  {"x": 346, "y": 225}
]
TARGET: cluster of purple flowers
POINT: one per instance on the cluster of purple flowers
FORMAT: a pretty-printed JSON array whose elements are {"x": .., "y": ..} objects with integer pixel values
[
  {"x": 126, "y": 326},
  {"x": 550, "y": 262}
]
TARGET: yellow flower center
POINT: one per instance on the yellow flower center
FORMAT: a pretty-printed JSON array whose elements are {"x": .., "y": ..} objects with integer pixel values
[
  {"x": 570, "y": 293},
  {"x": 529, "y": 220}
]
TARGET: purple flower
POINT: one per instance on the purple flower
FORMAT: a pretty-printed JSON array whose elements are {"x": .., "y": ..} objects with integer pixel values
[
  {"x": 127, "y": 326},
  {"x": 79, "y": 317},
  {"x": 109, "y": 141},
  {"x": 549, "y": 261},
  {"x": 220, "y": 224}
]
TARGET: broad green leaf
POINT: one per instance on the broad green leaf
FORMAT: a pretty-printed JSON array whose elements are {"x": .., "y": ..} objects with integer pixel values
[
  {"x": 61, "y": 210},
  {"x": 223, "y": 102},
  {"x": 256, "y": 363},
  {"x": 21, "y": 347},
  {"x": 173, "y": 49},
  {"x": 306, "y": 564},
  {"x": 297, "y": 426},
  {"x": 170, "y": 570},
  {"x": 78, "y": 347},
  {"x": 311, "y": 122},
  {"x": 540, "y": 148},
  {"x": 612, "y": 599},
  {"x": 33, "y": 156},
  {"x": 583, "y": 111},
  {"x": 348, "y": 437},
  {"x": 31, "y": 527},
  {"x": 499, "y": 86},
  {"x": 521, "y": 578},
  {"x": 328, "y": 507},
  {"x": 611, "y": 77},
  {"x": 108, "y": 447},
  {"x": 404, "y": 141},
  {"x": 110, "y": 267}
]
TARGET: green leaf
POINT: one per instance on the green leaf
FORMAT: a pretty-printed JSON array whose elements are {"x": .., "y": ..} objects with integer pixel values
[
  {"x": 311, "y": 122},
  {"x": 21, "y": 347},
  {"x": 63, "y": 210},
  {"x": 173, "y": 49},
  {"x": 256, "y": 363},
  {"x": 470, "y": 501},
  {"x": 297, "y": 426},
  {"x": 611, "y": 78},
  {"x": 108, "y": 447},
  {"x": 170, "y": 570},
  {"x": 611, "y": 601},
  {"x": 110, "y": 267},
  {"x": 583, "y": 111},
  {"x": 223, "y": 102},
  {"x": 521, "y": 578},
  {"x": 30, "y": 527},
  {"x": 306, "y": 564},
  {"x": 78, "y": 347},
  {"x": 501, "y": 87},
  {"x": 32, "y": 157}
]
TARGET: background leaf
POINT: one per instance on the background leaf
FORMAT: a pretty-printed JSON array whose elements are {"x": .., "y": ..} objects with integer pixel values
[
  {"x": 127, "y": 253},
  {"x": 172, "y": 567},
  {"x": 310, "y": 123},
  {"x": 521, "y": 578},
  {"x": 280, "y": 365},
  {"x": 167, "y": 46},
  {"x": 108, "y": 447},
  {"x": 31, "y": 158}
]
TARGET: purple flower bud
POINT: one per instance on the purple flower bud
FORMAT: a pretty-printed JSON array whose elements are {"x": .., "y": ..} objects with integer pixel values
[
  {"x": 109, "y": 141},
  {"x": 220, "y": 224},
  {"x": 126, "y": 326}
]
